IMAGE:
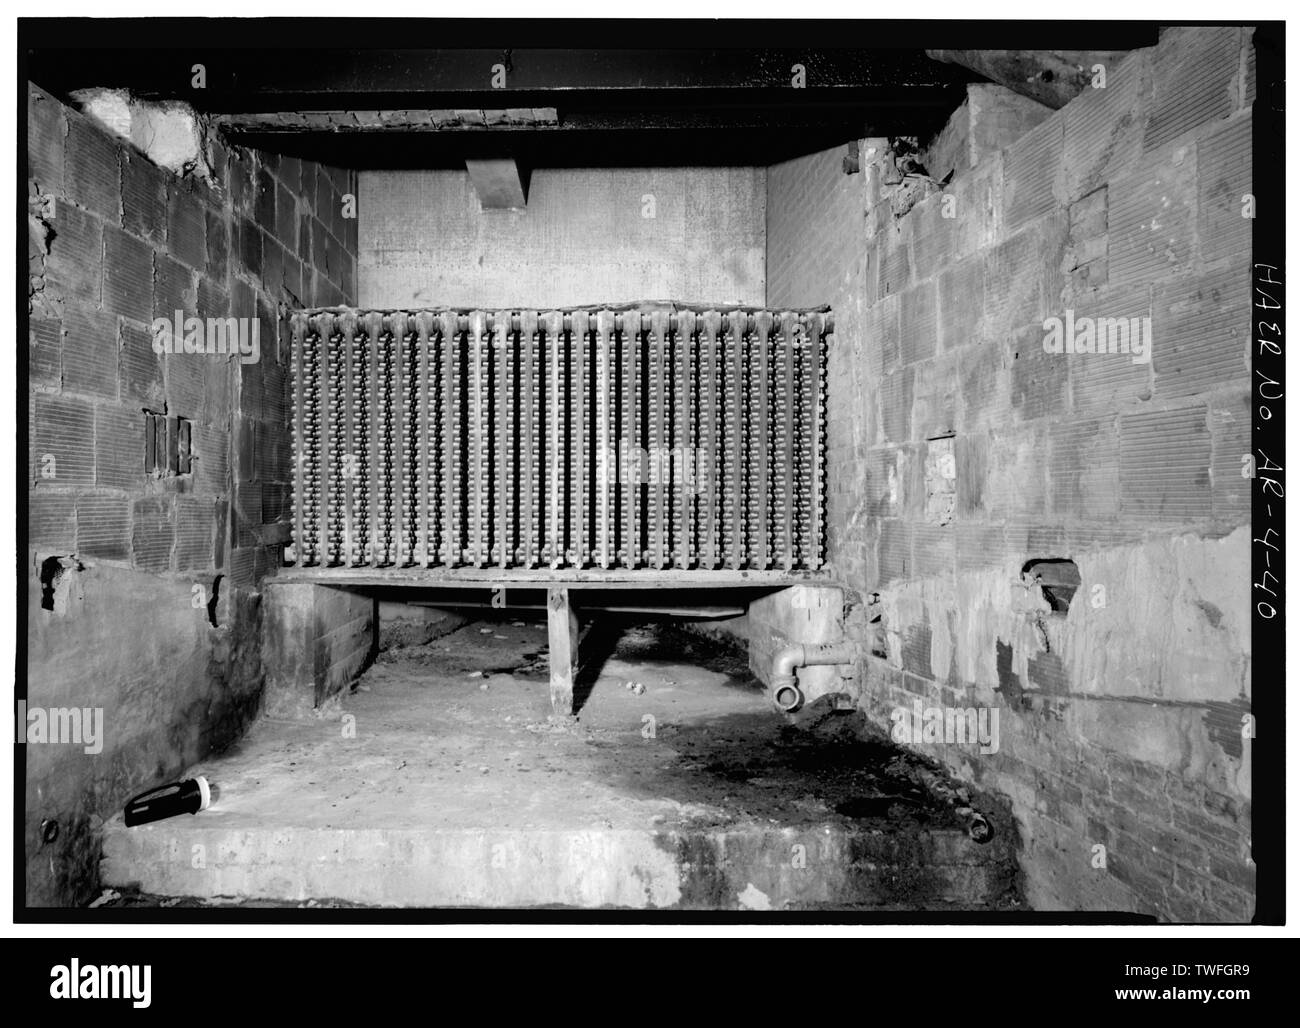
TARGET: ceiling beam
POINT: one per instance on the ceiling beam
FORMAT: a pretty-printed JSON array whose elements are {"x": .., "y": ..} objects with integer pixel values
[
  {"x": 422, "y": 120},
  {"x": 339, "y": 79},
  {"x": 1052, "y": 77},
  {"x": 730, "y": 136},
  {"x": 787, "y": 117}
]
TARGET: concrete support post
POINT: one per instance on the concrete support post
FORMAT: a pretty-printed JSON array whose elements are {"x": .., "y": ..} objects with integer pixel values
[
  {"x": 562, "y": 628},
  {"x": 317, "y": 639}
]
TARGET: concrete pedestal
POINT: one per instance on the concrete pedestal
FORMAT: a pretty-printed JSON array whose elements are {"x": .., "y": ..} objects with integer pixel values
[{"x": 316, "y": 640}]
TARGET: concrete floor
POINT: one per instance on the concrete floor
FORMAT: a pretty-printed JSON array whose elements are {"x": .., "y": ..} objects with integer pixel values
[{"x": 442, "y": 782}]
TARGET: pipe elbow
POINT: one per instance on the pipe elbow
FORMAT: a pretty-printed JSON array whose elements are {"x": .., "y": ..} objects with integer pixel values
[
  {"x": 786, "y": 693},
  {"x": 786, "y": 660}
]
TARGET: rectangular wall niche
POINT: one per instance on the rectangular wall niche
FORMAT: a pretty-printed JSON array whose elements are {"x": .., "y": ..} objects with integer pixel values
[
  {"x": 166, "y": 445},
  {"x": 940, "y": 480}
]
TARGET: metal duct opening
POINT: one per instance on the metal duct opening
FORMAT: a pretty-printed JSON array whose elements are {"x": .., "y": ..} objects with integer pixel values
[{"x": 656, "y": 438}]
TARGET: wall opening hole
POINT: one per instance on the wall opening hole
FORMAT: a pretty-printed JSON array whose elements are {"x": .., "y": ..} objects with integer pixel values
[
  {"x": 51, "y": 571},
  {"x": 876, "y": 621},
  {"x": 212, "y": 601},
  {"x": 1058, "y": 577},
  {"x": 56, "y": 582}
]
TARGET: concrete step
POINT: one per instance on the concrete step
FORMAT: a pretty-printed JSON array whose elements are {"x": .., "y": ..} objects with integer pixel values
[{"x": 716, "y": 870}]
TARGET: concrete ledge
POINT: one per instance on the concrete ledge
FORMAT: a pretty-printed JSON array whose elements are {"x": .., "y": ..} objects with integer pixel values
[{"x": 708, "y": 869}]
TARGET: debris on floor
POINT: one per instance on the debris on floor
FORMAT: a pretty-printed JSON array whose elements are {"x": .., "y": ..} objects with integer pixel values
[{"x": 105, "y": 898}]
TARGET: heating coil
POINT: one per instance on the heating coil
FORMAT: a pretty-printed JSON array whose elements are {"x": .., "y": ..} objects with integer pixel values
[{"x": 652, "y": 438}]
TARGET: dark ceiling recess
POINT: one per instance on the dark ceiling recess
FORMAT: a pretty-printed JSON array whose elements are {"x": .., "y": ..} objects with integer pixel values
[{"x": 705, "y": 97}]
